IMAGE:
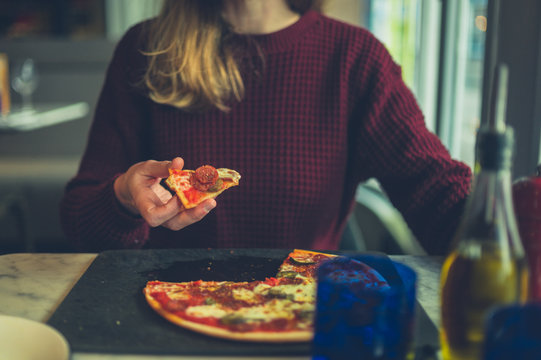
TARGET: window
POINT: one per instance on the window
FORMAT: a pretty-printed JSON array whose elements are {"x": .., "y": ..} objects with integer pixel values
[
  {"x": 440, "y": 47},
  {"x": 74, "y": 20},
  {"x": 122, "y": 14},
  {"x": 410, "y": 31},
  {"x": 462, "y": 76}
]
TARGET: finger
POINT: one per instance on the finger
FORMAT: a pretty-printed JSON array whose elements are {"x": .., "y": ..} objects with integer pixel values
[
  {"x": 154, "y": 210},
  {"x": 177, "y": 163},
  {"x": 190, "y": 216},
  {"x": 163, "y": 194},
  {"x": 156, "y": 169}
]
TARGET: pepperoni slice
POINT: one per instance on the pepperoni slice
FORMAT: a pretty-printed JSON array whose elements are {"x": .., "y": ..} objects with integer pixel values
[
  {"x": 206, "y": 174},
  {"x": 204, "y": 177}
]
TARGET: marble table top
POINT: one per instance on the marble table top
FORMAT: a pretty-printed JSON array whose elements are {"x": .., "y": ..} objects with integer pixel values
[{"x": 32, "y": 285}]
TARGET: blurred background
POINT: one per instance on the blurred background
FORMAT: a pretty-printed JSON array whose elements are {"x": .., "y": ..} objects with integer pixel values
[{"x": 439, "y": 44}]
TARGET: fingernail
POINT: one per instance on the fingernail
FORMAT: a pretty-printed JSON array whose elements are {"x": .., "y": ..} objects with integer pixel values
[{"x": 209, "y": 207}]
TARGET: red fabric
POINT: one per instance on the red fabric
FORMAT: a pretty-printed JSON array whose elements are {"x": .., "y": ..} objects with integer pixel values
[{"x": 327, "y": 111}]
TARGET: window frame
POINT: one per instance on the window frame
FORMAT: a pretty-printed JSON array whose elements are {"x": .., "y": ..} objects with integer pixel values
[{"x": 515, "y": 39}]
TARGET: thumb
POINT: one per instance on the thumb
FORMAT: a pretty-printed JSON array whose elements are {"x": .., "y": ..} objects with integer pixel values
[
  {"x": 156, "y": 169},
  {"x": 177, "y": 163}
]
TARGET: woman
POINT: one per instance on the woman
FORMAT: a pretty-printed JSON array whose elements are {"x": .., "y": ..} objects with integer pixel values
[{"x": 303, "y": 106}]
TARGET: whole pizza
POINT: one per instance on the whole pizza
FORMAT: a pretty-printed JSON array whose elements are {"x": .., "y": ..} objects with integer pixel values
[{"x": 277, "y": 309}]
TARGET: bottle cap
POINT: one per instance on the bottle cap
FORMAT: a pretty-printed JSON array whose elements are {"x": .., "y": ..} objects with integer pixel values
[
  {"x": 495, "y": 149},
  {"x": 495, "y": 140}
]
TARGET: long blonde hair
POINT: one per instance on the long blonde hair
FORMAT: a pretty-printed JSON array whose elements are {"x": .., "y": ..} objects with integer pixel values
[{"x": 192, "y": 64}]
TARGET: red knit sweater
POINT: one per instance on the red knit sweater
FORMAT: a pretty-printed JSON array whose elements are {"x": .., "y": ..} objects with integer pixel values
[{"x": 327, "y": 111}]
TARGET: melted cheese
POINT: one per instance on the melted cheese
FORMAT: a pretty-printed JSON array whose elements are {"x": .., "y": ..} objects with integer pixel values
[
  {"x": 179, "y": 295},
  {"x": 203, "y": 311},
  {"x": 301, "y": 293},
  {"x": 272, "y": 310},
  {"x": 244, "y": 295},
  {"x": 182, "y": 180},
  {"x": 276, "y": 308},
  {"x": 228, "y": 174},
  {"x": 262, "y": 289}
]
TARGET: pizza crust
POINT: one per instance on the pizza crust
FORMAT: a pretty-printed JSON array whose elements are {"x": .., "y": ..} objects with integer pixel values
[{"x": 310, "y": 252}]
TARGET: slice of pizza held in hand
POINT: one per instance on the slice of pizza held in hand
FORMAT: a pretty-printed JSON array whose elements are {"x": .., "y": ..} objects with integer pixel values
[{"x": 206, "y": 182}]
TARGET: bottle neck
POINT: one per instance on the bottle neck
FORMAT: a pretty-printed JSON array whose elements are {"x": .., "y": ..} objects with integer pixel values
[
  {"x": 489, "y": 219},
  {"x": 489, "y": 224},
  {"x": 492, "y": 190},
  {"x": 491, "y": 196}
]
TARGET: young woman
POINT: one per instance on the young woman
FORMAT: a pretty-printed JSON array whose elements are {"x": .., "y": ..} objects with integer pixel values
[{"x": 304, "y": 107}]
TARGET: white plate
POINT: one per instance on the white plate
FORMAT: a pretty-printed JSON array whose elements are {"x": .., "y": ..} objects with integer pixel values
[{"x": 23, "y": 339}]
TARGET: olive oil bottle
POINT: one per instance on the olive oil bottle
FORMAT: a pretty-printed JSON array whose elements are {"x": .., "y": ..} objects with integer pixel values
[{"x": 487, "y": 267}]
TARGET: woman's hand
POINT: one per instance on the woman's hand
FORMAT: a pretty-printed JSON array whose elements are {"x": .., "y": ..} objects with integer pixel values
[{"x": 139, "y": 191}]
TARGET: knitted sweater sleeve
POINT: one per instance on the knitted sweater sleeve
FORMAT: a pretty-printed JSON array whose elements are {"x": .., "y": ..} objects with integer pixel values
[
  {"x": 414, "y": 168},
  {"x": 91, "y": 216}
]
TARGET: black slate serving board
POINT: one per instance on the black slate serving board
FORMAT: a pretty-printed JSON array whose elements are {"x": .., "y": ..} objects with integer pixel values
[{"x": 106, "y": 311}]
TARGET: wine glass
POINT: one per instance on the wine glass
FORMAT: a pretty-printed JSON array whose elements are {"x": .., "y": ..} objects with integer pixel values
[{"x": 25, "y": 81}]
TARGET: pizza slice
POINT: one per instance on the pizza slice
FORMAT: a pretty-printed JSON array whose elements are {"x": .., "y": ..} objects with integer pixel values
[
  {"x": 206, "y": 182},
  {"x": 302, "y": 264}
]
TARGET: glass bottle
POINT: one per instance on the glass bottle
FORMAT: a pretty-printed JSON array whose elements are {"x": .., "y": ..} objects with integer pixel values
[{"x": 487, "y": 267}]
